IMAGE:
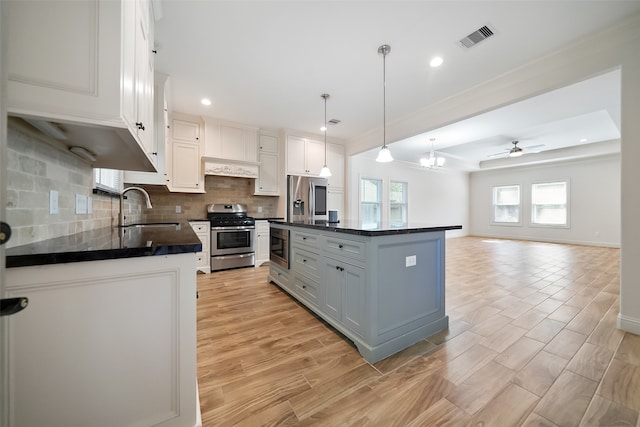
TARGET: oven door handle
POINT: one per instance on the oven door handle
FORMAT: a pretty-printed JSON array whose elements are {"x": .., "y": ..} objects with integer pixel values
[{"x": 235, "y": 227}]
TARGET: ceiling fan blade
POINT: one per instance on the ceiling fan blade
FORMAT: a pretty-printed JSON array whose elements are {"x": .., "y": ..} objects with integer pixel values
[
  {"x": 533, "y": 147},
  {"x": 502, "y": 153}
]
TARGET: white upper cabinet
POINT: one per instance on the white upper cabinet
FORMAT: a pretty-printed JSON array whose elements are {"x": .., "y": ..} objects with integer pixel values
[
  {"x": 161, "y": 147},
  {"x": 186, "y": 148},
  {"x": 304, "y": 156},
  {"x": 231, "y": 141},
  {"x": 86, "y": 63},
  {"x": 267, "y": 183}
]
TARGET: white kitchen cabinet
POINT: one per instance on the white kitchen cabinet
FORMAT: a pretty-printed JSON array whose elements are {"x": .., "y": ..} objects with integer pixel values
[
  {"x": 99, "y": 335},
  {"x": 232, "y": 141},
  {"x": 267, "y": 183},
  {"x": 203, "y": 258},
  {"x": 186, "y": 163},
  {"x": 335, "y": 162},
  {"x": 97, "y": 72},
  {"x": 263, "y": 241},
  {"x": 304, "y": 156},
  {"x": 160, "y": 155}
]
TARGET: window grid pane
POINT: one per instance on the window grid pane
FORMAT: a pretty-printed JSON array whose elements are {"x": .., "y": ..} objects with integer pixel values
[
  {"x": 506, "y": 204},
  {"x": 549, "y": 203},
  {"x": 398, "y": 203},
  {"x": 371, "y": 194}
]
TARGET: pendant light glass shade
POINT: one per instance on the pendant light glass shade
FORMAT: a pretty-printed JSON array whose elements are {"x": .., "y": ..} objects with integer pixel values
[
  {"x": 325, "y": 172},
  {"x": 384, "y": 156}
]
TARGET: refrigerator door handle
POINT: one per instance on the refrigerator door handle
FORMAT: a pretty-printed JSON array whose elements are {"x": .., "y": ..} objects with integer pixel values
[{"x": 312, "y": 201}]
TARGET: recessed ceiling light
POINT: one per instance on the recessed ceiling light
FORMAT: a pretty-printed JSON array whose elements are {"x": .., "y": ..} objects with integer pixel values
[
  {"x": 436, "y": 61},
  {"x": 205, "y": 101},
  {"x": 583, "y": 140},
  {"x": 322, "y": 129}
]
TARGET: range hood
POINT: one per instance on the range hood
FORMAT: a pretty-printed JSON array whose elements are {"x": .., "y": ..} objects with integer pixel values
[
  {"x": 228, "y": 167},
  {"x": 108, "y": 147}
]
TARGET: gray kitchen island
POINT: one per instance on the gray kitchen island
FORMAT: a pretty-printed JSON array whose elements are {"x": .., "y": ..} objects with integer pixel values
[{"x": 382, "y": 286}]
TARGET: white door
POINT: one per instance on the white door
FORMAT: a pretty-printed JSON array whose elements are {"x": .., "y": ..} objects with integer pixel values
[
  {"x": 7, "y": 305},
  {"x": 4, "y": 377}
]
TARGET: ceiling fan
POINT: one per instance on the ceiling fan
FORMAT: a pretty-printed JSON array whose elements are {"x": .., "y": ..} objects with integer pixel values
[{"x": 516, "y": 151}]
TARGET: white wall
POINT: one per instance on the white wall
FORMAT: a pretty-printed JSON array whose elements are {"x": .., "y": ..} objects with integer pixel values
[
  {"x": 436, "y": 197},
  {"x": 594, "y": 201},
  {"x": 614, "y": 47}
]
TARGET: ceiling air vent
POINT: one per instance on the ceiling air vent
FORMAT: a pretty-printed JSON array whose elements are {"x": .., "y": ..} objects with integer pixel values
[
  {"x": 333, "y": 121},
  {"x": 476, "y": 37}
]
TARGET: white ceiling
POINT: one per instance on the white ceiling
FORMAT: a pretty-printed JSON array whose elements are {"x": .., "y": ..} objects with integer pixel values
[{"x": 266, "y": 63}]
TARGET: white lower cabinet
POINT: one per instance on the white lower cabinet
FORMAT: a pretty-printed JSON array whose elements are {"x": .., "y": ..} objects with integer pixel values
[
  {"x": 103, "y": 343},
  {"x": 262, "y": 241},
  {"x": 203, "y": 258}
]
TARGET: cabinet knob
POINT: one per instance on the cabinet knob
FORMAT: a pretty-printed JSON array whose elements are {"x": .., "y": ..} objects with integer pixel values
[
  {"x": 340, "y": 246},
  {"x": 337, "y": 267},
  {"x": 304, "y": 286},
  {"x": 304, "y": 260},
  {"x": 304, "y": 238},
  {"x": 155, "y": 154},
  {"x": 140, "y": 125}
]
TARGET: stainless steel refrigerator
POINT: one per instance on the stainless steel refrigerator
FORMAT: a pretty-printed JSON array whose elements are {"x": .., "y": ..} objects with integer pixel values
[{"x": 306, "y": 199}]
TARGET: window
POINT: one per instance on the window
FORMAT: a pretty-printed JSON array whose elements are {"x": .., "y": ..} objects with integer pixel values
[
  {"x": 549, "y": 203},
  {"x": 506, "y": 204},
  {"x": 398, "y": 203},
  {"x": 370, "y": 199},
  {"x": 109, "y": 180}
]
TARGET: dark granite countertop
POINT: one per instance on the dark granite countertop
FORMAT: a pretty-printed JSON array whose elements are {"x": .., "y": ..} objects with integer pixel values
[
  {"x": 107, "y": 243},
  {"x": 380, "y": 229}
]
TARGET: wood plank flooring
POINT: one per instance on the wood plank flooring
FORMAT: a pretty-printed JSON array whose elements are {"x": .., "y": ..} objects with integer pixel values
[{"x": 531, "y": 342}]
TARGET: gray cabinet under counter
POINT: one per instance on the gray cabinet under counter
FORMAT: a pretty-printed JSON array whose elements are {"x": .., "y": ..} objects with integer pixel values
[{"x": 384, "y": 289}]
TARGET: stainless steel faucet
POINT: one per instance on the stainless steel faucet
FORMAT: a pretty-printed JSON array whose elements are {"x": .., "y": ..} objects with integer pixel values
[{"x": 121, "y": 216}]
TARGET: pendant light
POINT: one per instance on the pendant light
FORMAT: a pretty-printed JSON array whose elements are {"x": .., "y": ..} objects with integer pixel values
[
  {"x": 384, "y": 155},
  {"x": 325, "y": 172}
]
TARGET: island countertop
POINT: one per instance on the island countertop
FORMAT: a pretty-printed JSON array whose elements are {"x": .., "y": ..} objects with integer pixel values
[
  {"x": 361, "y": 229},
  {"x": 107, "y": 243}
]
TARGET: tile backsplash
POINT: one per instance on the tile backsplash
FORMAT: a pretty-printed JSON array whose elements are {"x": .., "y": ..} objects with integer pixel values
[
  {"x": 35, "y": 167},
  {"x": 219, "y": 189}
]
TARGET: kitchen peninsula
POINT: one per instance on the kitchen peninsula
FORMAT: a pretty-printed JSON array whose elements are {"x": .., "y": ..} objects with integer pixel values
[
  {"x": 382, "y": 286},
  {"x": 109, "y": 335}
]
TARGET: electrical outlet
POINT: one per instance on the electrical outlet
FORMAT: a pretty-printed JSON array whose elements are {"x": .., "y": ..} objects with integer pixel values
[
  {"x": 259, "y": 209},
  {"x": 178, "y": 209},
  {"x": 410, "y": 261},
  {"x": 53, "y": 202},
  {"x": 81, "y": 204}
]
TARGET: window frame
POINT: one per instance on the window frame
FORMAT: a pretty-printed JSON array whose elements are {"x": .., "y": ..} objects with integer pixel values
[
  {"x": 404, "y": 204},
  {"x": 379, "y": 203},
  {"x": 99, "y": 184},
  {"x": 519, "y": 223},
  {"x": 567, "y": 223}
]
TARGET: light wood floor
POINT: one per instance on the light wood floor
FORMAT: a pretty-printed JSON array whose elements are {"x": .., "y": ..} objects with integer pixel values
[{"x": 532, "y": 341}]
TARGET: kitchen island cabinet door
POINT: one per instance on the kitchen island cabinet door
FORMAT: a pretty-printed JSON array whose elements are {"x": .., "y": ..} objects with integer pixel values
[
  {"x": 332, "y": 289},
  {"x": 104, "y": 343}
]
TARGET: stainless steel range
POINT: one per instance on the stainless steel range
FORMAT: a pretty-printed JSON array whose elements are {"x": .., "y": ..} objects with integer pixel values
[{"x": 232, "y": 236}]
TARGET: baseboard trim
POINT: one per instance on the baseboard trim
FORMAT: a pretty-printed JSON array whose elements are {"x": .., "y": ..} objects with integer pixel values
[{"x": 628, "y": 324}]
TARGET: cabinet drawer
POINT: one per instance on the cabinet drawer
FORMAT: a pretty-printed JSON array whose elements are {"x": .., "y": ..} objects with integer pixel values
[
  {"x": 307, "y": 263},
  {"x": 307, "y": 239},
  {"x": 201, "y": 228},
  {"x": 306, "y": 288},
  {"x": 349, "y": 248},
  {"x": 279, "y": 275}
]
